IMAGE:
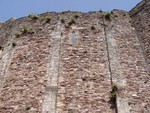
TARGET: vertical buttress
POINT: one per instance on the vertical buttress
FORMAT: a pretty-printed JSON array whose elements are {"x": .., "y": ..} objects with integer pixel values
[{"x": 49, "y": 103}]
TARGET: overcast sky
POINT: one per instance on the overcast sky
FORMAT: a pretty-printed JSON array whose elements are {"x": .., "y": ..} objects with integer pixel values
[{"x": 20, "y": 8}]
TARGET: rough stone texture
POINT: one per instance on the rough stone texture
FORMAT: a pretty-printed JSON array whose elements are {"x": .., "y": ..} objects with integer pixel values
[
  {"x": 114, "y": 31},
  {"x": 5, "y": 57},
  {"x": 141, "y": 21},
  {"x": 71, "y": 69},
  {"x": 128, "y": 66},
  {"x": 25, "y": 79},
  {"x": 49, "y": 104},
  {"x": 84, "y": 82}
]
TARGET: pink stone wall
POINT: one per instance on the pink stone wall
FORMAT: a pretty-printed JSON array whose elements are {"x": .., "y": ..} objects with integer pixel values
[
  {"x": 141, "y": 21},
  {"x": 45, "y": 72}
]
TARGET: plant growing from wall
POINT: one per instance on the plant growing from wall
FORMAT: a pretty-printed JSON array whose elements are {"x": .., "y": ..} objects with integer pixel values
[
  {"x": 26, "y": 30},
  {"x": 14, "y": 44},
  {"x": 71, "y": 22},
  {"x": 48, "y": 19},
  {"x": 31, "y": 31},
  {"x": 62, "y": 21},
  {"x": 33, "y": 16},
  {"x": 114, "y": 88},
  {"x": 113, "y": 97},
  {"x": 113, "y": 94},
  {"x": 76, "y": 16},
  {"x": 18, "y": 34},
  {"x": 108, "y": 16}
]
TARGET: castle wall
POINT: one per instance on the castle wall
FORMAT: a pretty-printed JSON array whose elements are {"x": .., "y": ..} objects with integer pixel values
[
  {"x": 25, "y": 77},
  {"x": 84, "y": 79},
  {"x": 127, "y": 65},
  {"x": 62, "y": 68},
  {"x": 141, "y": 21}
]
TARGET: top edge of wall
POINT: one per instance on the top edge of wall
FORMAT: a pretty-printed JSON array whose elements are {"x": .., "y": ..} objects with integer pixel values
[{"x": 138, "y": 7}]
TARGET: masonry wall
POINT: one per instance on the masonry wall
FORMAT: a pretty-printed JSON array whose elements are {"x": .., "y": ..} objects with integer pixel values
[
  {"x": 24, "y": 66},
  {"x": 141, "y": 21},
  {"x": 127, "y": 65},
  {"x": 84, "y": 79},
  {"x": 54, "y": 67}
]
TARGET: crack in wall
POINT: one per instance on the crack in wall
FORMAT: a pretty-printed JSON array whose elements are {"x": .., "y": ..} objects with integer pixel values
[
  {"x": 108, "y": 54},
  {"x": 120, "y": 104}
]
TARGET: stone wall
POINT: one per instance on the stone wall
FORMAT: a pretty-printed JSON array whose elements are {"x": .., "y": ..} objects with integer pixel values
[
  {"x": 70, "y": 62},
  {"x": 141, "y": 21},
  {"x": 127, "y": 66},
  {"x": 84, "y": 79},
  {"x": 24, "y": 66}
]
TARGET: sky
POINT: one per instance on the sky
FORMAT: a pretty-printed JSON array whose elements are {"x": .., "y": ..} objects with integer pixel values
[{"x": 21, "y": 8}]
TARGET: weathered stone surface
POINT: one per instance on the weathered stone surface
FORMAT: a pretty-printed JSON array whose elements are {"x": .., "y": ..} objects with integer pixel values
[
  {"x": 84, "y": 81},
  {"x": 68, "y": 62},
  {"x": 128, "y": 66},
  {"x": 25, "y": 79},
  {"x": 141, "y": 21},
  {"x": 49, "y": 103}
]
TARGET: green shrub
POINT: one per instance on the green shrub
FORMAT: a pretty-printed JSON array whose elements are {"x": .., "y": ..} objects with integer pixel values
[
  {"x": 108, "y": 16},
  {"x": 14, "y": 44},
  {"x": 114, "y": 88},
  {"x": 124, "y": 14},
  {"x": 31, "y": 31},
  {"x": 113, "y": 97},
  {"x": 113, "y": 94},
  {"x": 63, "y": 12},
  {"x": 62, "y": 21},
  {"x": 71, "y": 22},
  {"x": 76, "y": 16},
  {"x": 26, "y": 30},
  {"x": 48, "y": 19},
  {"x": 33, "y": 16},
  {"x": 18, "y": 34}
]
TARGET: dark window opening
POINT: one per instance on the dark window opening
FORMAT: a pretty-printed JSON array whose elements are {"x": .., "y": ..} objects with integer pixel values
[{"x": 74, "y": 37}]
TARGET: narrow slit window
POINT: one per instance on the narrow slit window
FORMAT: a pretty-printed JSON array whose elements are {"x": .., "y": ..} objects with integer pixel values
[{"x": 74, "y": 37}]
